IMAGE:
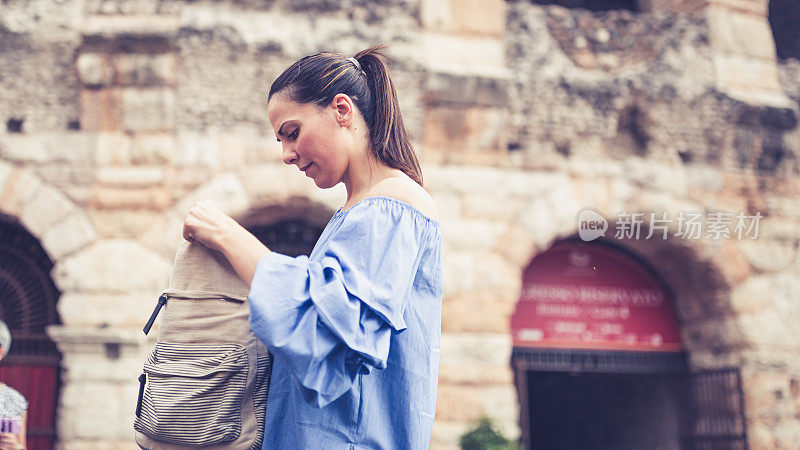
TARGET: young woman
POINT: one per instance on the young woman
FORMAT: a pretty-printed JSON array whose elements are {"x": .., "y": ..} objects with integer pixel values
[{"x": 355, "y": 327}]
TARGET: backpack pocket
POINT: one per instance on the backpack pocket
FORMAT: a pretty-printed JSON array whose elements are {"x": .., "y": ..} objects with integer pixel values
[{"x": 194, "y": 393}]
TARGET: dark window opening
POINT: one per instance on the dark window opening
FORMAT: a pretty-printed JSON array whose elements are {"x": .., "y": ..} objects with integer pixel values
[
  {"x": 593, "y": 5},
  {"x": 74, "y": 125},
  {"x": 14, "y": 125},
  {"x": 784, "y": 17},
  {"x": 289, "y": 237}
]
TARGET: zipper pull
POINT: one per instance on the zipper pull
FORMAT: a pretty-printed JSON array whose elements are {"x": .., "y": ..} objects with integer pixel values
[
  {"x": 161, "y": 302},
  {"x": 142, "y": 379}
]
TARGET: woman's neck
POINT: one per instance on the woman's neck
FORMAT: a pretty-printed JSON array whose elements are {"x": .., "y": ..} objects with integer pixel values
[{"x": 367, "y": 173}]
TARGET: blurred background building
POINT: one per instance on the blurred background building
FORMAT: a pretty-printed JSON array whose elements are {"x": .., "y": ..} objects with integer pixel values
[{"x": 115, "y": 116}]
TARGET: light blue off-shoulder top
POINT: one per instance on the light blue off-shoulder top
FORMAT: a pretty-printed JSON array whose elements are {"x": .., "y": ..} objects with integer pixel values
[{"x": 355, "y": 331}]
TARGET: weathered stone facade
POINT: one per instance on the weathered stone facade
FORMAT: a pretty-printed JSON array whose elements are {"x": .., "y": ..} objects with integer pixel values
[{"x": 118, "y": 115}]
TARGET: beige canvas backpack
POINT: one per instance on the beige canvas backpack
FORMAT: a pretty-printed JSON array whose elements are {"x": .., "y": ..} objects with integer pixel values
[{"x": 205, "y": 383}]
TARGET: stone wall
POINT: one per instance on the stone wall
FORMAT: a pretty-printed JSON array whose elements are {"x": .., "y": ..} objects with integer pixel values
[{"x": 523, "y": 115}]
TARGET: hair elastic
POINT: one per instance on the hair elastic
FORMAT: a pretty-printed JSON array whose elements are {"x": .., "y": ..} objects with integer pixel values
[{"x": 357, "y": 64}]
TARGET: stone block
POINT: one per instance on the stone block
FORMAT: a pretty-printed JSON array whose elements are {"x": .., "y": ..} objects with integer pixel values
[
  {"x": 516, "y": 245},
  {"x": 122, "y": 223},
  {"x": 43, "y": 148},
  {"x": 245, "y": 145},
  {"x": 752, "y": 296},
  {"x": 470, "y": 180},
  {"x": 152, "y": 149},
  {"x": 754, "y": 36},
  {"x": 460, "y": 275},
  {"x": 100, "y": 411},
  {"x": 95, "y": 69},
  {"x": 91, "y": 310},
  {"x": 102, "y": 26},
  {"x": 101, "y": 110},
  {"x": 69, "y": 235},
  {"x": 5, "y": 173},
  {"x": 769, "y": 328},
  {"x": 183, "y": 180},
  {"x": 225, "y": 191},
  {"x": 732, "y": 263},
  {"x": 457, "y": 403},
  {"x": 113, "y": 266},
  {"x": 478, "y": 235},
  {"x": 537, "y": 219},
  {"x": 445, "y": 435},
  {"x": 44, "y": 209},
  {"x": 164, "y": 235},
  {"x": 464, "y": 17},
  {"x": 145, "y": 69},
  {"x": 20, "y": 185},
  {"x": 148, "y": 109},
  {"x": 112, "y": 149},
  {"x": 750, "y": 79},
  {"x": 766, "y": 394},
  {"x": 760, "y": 436},
  {"x": 485, "y": 312},
  {"x": 468, "y": 55},
  {"x": 130, "y": 176},
  {"x": 479, "y": 349},
  {"x": 472, "y": 375},
  {"x": 197, "y": 149},
  {"x": 442, "y": 89},
  {"x": 458, "y": 133},
  {"x": 487, "y": 207},
  {"x": 766, "y": 255},
  {"x": 155, "y": 198}
]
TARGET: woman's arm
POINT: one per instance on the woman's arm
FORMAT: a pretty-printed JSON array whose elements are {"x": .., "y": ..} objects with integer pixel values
[
  {"x": 243, "y": 251},
  {"x": 206, "y": 224}
]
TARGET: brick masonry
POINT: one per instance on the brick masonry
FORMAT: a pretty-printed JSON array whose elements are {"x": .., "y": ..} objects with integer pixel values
[{"x": 522, "y": 115}]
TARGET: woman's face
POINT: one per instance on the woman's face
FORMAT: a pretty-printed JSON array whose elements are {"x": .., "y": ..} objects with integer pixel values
[{"x": 312, "y": 137}]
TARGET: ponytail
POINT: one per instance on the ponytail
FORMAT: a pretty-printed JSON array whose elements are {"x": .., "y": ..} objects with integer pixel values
[{"x": 318, "y": 78}]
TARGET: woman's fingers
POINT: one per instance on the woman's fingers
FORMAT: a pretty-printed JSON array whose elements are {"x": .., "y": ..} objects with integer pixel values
[
  {"x": 205, "y": 223},
  {"x": 8, "y": 441}
]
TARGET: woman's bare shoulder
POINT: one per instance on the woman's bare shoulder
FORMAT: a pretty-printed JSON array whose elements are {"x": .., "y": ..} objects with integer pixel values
[{"x": 407, "y": 190}]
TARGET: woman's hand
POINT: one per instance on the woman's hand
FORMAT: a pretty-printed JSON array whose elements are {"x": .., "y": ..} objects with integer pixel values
[
  {"x": 10, "y": 441},
  {"x": 208, "y": 225}
]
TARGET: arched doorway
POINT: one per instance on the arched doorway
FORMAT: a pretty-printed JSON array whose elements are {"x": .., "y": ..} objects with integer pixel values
[
  {"x": 292, "y": 237},
  {"x": 598, "y": 360},
  {"x": 28, "y": 305}
]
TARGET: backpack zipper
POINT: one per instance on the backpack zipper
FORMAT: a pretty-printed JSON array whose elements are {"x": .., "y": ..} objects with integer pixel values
[{"x": 161, "y": 302}]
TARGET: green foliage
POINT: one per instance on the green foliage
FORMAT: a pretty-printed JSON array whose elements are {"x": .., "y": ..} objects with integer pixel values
[{"x": 483, "y": 436}]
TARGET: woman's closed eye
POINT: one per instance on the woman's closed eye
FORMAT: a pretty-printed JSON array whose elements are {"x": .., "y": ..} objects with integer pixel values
[{"x": 293, "y": 134}]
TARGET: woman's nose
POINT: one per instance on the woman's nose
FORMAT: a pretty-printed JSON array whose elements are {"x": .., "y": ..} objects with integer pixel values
[{"x": 289, "y": 156}]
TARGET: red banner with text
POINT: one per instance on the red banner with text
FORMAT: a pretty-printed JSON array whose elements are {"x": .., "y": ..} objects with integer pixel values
[{"x": 591, "y": 296}]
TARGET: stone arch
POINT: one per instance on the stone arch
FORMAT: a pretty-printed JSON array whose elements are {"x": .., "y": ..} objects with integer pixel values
[
  {"x": 701, "y": 279},
  {"x": 59, "y": 228},
  {"x": 60, "y": 225},
  {"x": 255, "y": 195}
]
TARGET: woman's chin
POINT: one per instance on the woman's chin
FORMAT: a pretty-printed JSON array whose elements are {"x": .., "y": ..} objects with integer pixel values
[{"x": 323, "y": 184}]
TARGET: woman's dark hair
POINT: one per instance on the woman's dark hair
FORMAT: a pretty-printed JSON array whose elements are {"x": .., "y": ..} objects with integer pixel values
[{"x": 318, "y": 78}]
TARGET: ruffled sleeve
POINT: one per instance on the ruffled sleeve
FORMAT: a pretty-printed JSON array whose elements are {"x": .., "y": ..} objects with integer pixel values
[{"x": 331, "y": 317}]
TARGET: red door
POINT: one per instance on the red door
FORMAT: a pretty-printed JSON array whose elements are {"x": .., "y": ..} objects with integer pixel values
[
  {"x": 28, "y": 299},
  {"x": 38, "y": 383}
]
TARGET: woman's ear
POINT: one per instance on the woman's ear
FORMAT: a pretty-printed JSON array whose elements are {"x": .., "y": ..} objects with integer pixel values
[{"x": 345, "y": 109}]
